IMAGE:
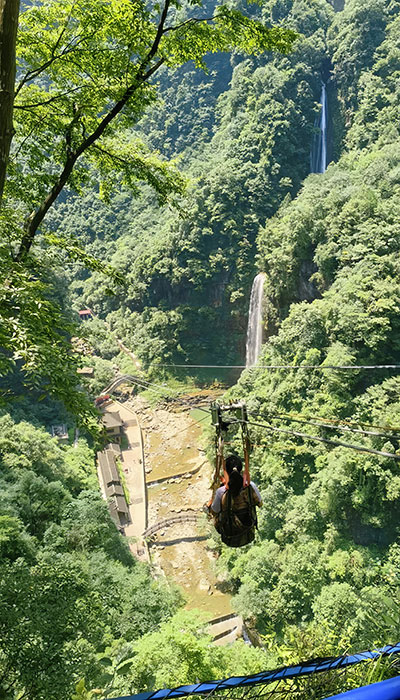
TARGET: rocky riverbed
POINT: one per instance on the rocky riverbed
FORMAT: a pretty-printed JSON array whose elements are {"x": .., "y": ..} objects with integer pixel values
[{"x": 173, "y": 446}]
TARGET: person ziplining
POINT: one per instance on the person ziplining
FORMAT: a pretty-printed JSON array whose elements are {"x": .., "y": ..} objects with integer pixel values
[{"x": 233, "y": 504}]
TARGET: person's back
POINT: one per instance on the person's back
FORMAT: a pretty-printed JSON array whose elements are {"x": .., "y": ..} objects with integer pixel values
[{"x": 234, "y": 507}]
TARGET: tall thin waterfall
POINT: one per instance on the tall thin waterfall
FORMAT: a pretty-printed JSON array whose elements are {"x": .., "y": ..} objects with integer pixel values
[
  {"x": 318, "y": 155},
  {"x": 254, "y": 328}
]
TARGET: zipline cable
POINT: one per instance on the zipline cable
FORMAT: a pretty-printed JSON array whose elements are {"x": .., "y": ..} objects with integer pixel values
[
  {"x": 160, "y": 389},
  {"x": 336, "y": 443},
  {"x": 147, "y": 385},
  {"x": 288, "y": 417},
  {"x": 340, "y": 422},
  {"x": 346, "y": 422},
  {"x": 196, "y": 420},
  {"x": 253, "y": 367}
]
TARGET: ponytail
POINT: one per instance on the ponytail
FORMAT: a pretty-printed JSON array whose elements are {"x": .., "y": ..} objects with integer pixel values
[
  {"x": 233, "y": 468},
  {"x": 235, "y": 482}
]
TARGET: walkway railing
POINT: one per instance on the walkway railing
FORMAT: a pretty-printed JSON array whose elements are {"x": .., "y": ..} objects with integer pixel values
[
  {"x": 318, "y": 678},
  {"x": 186, "y": 517}
]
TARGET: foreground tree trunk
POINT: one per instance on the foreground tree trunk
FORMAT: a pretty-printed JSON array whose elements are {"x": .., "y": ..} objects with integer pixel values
[{"x": 9, "y": 10}]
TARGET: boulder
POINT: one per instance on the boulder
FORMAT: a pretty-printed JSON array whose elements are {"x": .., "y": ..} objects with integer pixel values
[{"x": 203, "y": 585}]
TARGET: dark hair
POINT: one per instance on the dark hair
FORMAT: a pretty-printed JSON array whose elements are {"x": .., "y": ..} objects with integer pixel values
[{"x": 233, "y": 466}]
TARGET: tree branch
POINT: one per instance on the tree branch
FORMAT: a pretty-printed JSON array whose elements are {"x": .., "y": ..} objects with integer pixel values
[
  {"x": 188, "y": 21},
  {"x": 158, "y": 37},
  {"x": 36, "y": 218},
  {"x": 13, "y": 156},
  {"x": 7, "y": 670},
  {"x": 50, "y": 100},
  {"x": 10, "y": 685},
  {"x": 31, "y": 75},
  {"x": 111, "y": 155},
  {"x": 9, "y": 10},
  {"x": 70, "y": 128}
]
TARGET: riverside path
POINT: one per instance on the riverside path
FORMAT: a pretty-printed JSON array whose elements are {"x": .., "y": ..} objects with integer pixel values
[{"x": 134, "y": 470}]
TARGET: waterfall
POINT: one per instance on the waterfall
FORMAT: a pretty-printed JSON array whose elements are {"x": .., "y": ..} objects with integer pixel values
[
  {"x": 254, "y": 328},
  {"x": 318, "y": 155}
]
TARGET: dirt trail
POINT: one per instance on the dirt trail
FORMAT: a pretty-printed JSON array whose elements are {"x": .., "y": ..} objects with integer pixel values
[{"x": 172, "y": 445}]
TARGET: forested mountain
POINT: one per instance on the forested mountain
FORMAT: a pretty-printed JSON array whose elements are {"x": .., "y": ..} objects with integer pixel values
[
  {"x": 189, "y": 271},
  {"x": 247, "y": 149},
  {"x": 323, "y": 575},
  {"x": 330, "y": 554}
]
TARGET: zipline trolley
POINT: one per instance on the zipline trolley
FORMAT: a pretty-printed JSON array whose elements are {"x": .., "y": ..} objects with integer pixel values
[{"x": 223, "y": 416}]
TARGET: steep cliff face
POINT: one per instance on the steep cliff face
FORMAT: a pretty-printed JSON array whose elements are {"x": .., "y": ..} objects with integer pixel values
[
  {"x": 338, "y": 5},
  {"x": 307, "y": 290}
]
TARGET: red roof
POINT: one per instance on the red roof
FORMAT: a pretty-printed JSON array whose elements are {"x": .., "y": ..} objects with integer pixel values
[{"x": 84, "y": 312}]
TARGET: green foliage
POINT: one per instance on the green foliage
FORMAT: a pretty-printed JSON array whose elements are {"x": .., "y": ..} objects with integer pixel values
[
  {"x": 80, "y": 467},
  {"x": 93, "y": 61},
  {"x": 14, "y": 541},
  {"x": 68, "y": 583},
  {"x": 47, "y": 632},
  {"x": 104, "y": 373},
  {"x": 80, "y": 89},
  {"x": 40, "y": 502},
  {"x": 188, "y": 276},
  {"x": 146, "y": 664},
  {"x": 354, "y": 36},
  {"x": 34, "y": 339},
  {"x": 331, "y": 298},
  {"x": 323, "y": 574},
  {"x": 100, "y": 339}
]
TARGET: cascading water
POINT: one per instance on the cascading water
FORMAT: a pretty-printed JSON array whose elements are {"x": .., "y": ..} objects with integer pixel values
[
  {"x": 318, "y": 156},
  {"x": 254, "y": 328}
]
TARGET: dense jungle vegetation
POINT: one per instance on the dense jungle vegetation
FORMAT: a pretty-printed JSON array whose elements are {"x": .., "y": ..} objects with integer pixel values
[{"x": 161, "y": 230}]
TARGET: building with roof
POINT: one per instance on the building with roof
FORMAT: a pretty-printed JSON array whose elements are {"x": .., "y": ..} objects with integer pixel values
[
  {"x": 113, "y": 425},
  {"x": 85, "y": 314},
  {"x": 111, "y": 486}
]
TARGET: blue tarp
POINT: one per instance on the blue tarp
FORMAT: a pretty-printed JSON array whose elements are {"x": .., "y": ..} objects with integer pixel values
[
  {"x": 385, "y": 690},
  {"x": 304, "y": 669}
]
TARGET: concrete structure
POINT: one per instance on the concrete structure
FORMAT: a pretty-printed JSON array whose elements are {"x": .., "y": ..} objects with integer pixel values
[
  {"x": 86, "y": 371},
  {"x": 60, "y": 432},
  {"x": 226, "y": 629}
]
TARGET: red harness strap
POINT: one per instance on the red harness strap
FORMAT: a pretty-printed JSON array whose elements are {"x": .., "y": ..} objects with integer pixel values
[{"x": 246, "y": 450}]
